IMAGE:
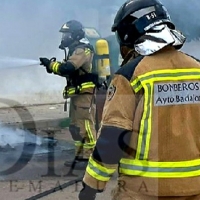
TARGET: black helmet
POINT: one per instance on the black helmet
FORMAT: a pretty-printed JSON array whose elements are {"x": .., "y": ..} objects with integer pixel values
[
  {"x": 136, "y": 17},
  {"x": 72, "y": 31}
]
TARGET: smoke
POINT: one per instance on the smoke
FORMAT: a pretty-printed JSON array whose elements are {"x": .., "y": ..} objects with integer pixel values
[
  {"x": 185, "y": 15},
  {"x": 15, "y": 137},
  {"x": 29, "y": 29}
]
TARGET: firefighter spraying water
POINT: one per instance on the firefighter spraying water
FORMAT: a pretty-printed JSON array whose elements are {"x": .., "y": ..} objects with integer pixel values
[{"x": 86, "y": 70}]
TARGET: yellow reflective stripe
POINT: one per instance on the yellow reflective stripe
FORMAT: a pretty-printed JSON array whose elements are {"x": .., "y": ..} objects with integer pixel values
[
  {"x": 146, "y": 81},
  {"x": 160, "y": 169},
  {"x": 71, "y": 91},
  {"x": 148, "y": 129},
  {"x": 98, "y": 171},
  {"x": 87, "y": 51},
  {"x": 81, "y": 87},
  {"x": 145, "y": 163},
  {"x": 85, "y": 145},
  {"x": 136, "y": 84},
  {"x": 89, "y": 132},
  {"x": 174, "y": 74},
  {"x": 89, "y": 145},
  {"x": 87, "y": 85},
  {"x": 145, "y": 126},
  {"x": 55, "y": 67},
  {"x": 171, "y": 71},
  {"x": 78, "y": 143}
]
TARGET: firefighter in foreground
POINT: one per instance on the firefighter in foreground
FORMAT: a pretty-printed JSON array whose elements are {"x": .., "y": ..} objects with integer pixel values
[
  {"x": 81, "y": 86},
  {"x": 150, "y": 127}
]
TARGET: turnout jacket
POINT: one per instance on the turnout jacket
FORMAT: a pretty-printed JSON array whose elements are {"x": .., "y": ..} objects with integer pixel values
[
  {"x": 77, "y": 69},
  {"x": 150, "y": 129}
]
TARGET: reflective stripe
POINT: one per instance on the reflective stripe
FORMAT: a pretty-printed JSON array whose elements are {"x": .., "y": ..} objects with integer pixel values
[
  {"x": 89, "y": 145},
  {"x": 145, "y": 126},
  {"x": 165, "y": 75},
  {"x": 98, "y": 171},
  {"x": 78, "y": 143},
  {"x": 84, "y": 145},
  {"x": 83, "y": 86},
  {"x": 89, "y": 132},
  {"x": 160, "y": 169},
  {"x": 55, "y": 67},
  {"x": 87, "y": 85},
  {"x": 92, "y": 142},
  {"x": 146, "y": 81},
  {"x": 87, "y": 51},
  {"x": 71, "y": 91},
  {"x": 140, "y": 166}
]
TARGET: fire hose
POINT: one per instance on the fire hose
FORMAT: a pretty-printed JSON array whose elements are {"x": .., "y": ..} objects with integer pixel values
[
  {"x": 55, "y": 189},
  {"x": 60, "y": 187}
]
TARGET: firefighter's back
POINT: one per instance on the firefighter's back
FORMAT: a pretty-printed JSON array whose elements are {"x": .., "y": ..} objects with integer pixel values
[{"x": 166, "y": 161}]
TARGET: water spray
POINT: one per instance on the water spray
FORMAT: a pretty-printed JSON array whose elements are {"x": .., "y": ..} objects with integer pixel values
[{"x": 9, "y": 62}]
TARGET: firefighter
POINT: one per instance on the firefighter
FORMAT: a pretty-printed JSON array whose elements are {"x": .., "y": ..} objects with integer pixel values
[
  {"x": 80, "y": 88},
  {"x": 150, "y": 127}
]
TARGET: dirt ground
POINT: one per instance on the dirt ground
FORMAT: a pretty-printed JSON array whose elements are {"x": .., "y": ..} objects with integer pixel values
[
  {"x": 22, "y": 185},
  {"x": 21, "y": 190},
  {"x": 31, "y": 180}
]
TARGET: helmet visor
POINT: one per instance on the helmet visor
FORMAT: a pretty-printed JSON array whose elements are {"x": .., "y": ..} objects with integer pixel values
[
  {"x": 66, "y": 36},
  {"x": 66, "y": 40}
]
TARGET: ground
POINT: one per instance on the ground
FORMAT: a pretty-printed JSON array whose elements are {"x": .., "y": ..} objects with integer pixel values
[
  {"x": 22, "y": 190},
  {"x": 31, "y": 180}
]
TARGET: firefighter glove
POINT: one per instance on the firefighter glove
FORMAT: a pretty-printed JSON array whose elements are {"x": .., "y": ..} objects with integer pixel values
[
  {"x": 46, "y": 63},
  {"x": 87, "y": 193}
]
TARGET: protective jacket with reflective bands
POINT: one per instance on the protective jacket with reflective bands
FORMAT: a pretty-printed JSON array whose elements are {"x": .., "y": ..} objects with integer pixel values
[
  {"x": 77, "y": 70},
  {"x": 150, "y": 128}
]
